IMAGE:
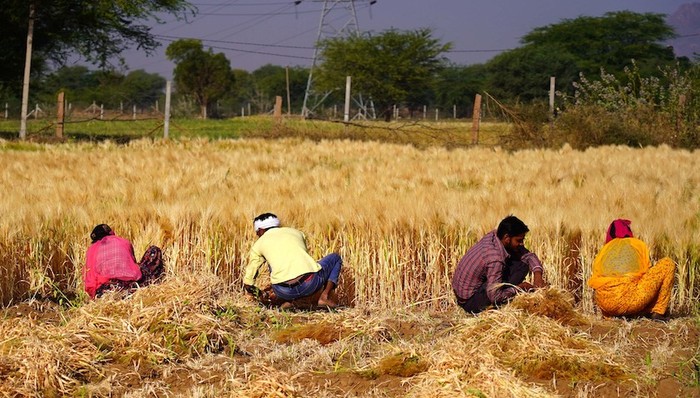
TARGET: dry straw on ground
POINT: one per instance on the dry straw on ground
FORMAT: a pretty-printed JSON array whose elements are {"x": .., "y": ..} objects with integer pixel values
[{"x": 187, "y": 337}]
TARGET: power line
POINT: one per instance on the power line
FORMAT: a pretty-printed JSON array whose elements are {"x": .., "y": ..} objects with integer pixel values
[
  {"x": 173, "y": 38},
  {"x": 239, "y": 4},
  {"x": 252, "y": 23},
  {"x": 479, "y": 51},
  {"x": 250, "y": 51},
  {"x": 257, "y": 14}
]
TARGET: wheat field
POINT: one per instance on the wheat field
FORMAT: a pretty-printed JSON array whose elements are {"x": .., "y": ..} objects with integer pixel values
[{"x": 401, "y": 217}]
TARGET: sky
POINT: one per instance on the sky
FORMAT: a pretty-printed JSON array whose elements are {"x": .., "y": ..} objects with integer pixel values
[{"x": 252, "y": 33}]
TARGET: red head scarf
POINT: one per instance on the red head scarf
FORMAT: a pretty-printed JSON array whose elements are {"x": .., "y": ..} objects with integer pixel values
[{"x": 619, "y": 228}]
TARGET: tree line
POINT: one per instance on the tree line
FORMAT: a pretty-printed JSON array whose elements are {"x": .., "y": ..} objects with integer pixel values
[{"x": 390, "y": 68}]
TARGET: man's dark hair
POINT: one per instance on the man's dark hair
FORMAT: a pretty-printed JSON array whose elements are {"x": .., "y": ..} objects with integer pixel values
[
  {"x": 99, "y": 232},
  {"x": 512, "y": 226},
  {"x": 264, "y": 216}
]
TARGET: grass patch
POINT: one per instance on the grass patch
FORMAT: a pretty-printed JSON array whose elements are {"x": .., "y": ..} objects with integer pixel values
[
  {"x": 323, "y": 332},
  {"x": 417, "y": 133}
]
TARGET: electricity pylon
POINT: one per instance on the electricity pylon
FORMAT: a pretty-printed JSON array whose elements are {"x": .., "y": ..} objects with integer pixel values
[{"x": 343, "y": 23}]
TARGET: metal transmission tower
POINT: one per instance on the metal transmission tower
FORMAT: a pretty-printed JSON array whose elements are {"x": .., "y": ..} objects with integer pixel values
[{"x": 338, "y": 19}]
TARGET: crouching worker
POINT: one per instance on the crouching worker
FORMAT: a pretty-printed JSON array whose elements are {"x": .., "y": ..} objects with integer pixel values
[
  {"x": 294, "y": 274},
  {"x": 111, "y": 265},
  {"x": 624, "y": 281},
  {"x": 493, "y": 270}
]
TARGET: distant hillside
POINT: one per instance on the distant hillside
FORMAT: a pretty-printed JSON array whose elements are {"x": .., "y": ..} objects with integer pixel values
[{"x": 686, "y": 21}]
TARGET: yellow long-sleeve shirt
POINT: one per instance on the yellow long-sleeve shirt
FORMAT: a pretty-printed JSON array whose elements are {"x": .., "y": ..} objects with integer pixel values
[{"x": 284, "y": 250}]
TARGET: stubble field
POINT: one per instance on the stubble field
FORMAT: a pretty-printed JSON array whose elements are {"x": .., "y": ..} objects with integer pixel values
[{"x": 401, "y": 217}]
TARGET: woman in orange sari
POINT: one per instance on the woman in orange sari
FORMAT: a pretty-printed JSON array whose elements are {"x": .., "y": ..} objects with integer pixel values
[{"x": 624, "y": 281}]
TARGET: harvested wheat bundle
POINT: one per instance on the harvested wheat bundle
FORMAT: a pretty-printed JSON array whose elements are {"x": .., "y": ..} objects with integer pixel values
[
  {"x": 486, "y": 352},
  {"x": 553, "y": 303},
  {"x": 166, "y": 323}
]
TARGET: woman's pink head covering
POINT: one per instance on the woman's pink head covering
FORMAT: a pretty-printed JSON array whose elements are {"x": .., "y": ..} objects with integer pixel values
[{"x": 619, "y": 228}]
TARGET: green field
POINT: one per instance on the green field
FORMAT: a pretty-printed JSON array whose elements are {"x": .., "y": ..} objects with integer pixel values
[{"x": 413, "y": 132}]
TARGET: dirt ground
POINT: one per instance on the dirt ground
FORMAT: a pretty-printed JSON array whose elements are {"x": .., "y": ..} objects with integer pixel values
[{"x": 678, "y": 376}]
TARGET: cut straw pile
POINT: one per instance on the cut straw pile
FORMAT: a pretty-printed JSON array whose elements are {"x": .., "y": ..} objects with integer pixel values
[{"x": 192, "y": 337}]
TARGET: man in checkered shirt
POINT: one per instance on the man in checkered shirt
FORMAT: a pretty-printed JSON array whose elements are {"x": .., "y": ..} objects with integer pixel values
[{"x": 493, "y": 271}]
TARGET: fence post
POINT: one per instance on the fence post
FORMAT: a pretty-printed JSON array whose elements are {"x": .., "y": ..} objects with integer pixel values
[
  {"x": 289, "y": 98},
  {"x": 454, "y": 111},
  {"x": 60, "y": 115},
  {"x": 6, "y": 110},
  {"x": 551, "y": 95},
  {"x": 278, "y": 109},
  {"x": 133, "y": 112},
  {"x": 476, "y": 119},
  {"x": 102, "y": 111},
  {"x": 346, "y": 111},
  {"x": 166, "y": 117},
  {"x": 437, "y": 114}
]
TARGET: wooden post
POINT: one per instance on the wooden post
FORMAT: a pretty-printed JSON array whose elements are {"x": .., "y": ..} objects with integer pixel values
[
  {"x": 166, "y": 117},
  {"x": 552, "y": 80},
  {"x": 133, "y": 112},
  {"x": 425, "y": 111},
  {"x": 242, "y": 112},
  {"x": 278, "y": 109},
  {"x": 6, "y": 110},
  {"x": 27, "y": 70},
  {"x": 60, "y": 115},
  {"x": 454, "y": 111},
  {"x": 437, "y": 114},
  {"x": 289, "y": 96},
  {"x": 476, "y": 119},
  {"x": 36, "y": 111},
  {"x": 102, "y": 111},
  {"x": 348, "y": 86}
]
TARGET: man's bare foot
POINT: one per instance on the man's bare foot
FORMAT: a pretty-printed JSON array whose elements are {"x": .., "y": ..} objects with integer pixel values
[
  {"x": 286, "y": 305},
  {"x": 326, "y": 302}
]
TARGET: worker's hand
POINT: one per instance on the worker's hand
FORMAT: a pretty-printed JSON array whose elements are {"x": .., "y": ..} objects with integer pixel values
[
  {"x": 526, "y": 286},
  {"x": 538, "y": 280},
  {"x": 251, "y": 291}
]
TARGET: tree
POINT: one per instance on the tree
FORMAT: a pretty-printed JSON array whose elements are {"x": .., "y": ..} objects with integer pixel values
[
  {"x": 271, "y": 80},
  {"x": 581, "y": 45},
  {"x": 392, "y": 67},
  {"x": 111, "y": 88},
  {"x": 202, "y": 74},
  {"x": 141, "y": 88},
  {"x": 98, "y": 30},
  {"x": 458, "y": 85}
]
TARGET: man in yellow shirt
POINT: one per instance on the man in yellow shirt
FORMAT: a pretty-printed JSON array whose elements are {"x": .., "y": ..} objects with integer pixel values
[{"x": 294, "y": 274}]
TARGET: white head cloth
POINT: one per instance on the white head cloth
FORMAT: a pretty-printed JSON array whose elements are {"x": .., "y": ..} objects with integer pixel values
[{"x": 269, "y": 222}]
